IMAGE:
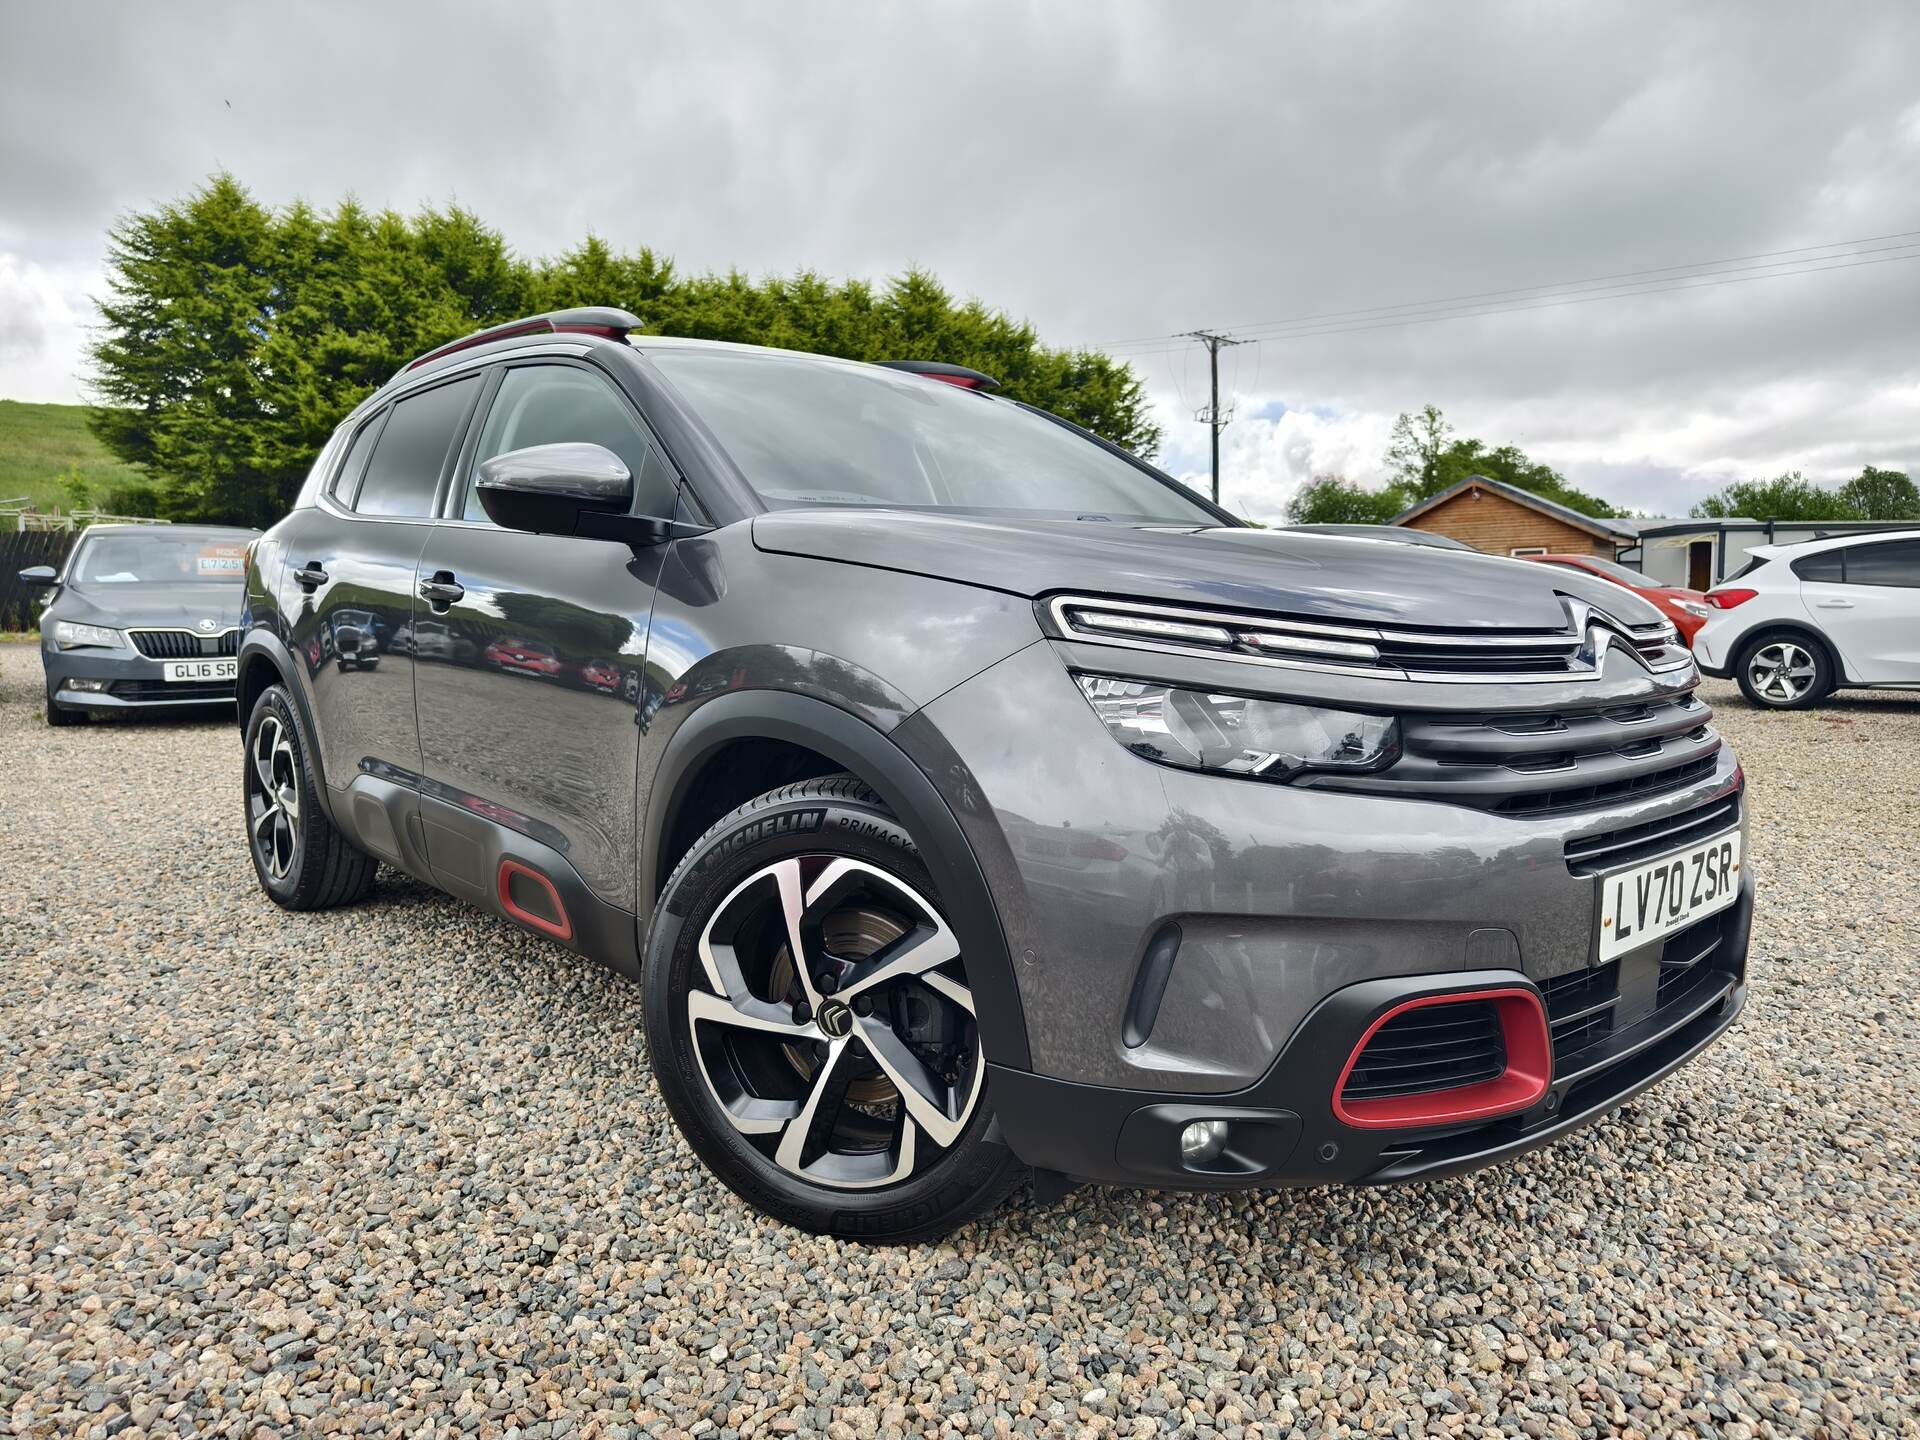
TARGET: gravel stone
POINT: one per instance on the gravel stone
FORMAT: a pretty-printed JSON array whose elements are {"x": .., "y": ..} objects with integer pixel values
[{"x": 401, "y": 1170}]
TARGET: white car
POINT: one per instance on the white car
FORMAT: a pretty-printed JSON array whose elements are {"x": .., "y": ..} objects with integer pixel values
[{"x": 1800, "y": 621}]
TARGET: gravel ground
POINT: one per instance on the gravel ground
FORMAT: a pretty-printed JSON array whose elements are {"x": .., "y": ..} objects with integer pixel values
[{"x": 401, "y": 1170}]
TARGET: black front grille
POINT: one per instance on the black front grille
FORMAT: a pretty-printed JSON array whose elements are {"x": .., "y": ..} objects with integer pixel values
[
  {"x": 1583, "y": 1008},
  {"x": 1548, "y": 762},
  {"x": 1611, "y": 849},
  {"x": 1580, "y": 1009},
  {"x": 172, "y": 690},
  {"x": 183, "y": 644},
  {"x": 1437, "y": 1047}
]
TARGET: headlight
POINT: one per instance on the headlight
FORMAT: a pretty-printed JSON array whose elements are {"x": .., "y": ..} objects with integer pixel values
[
  {"x": 71, "y": 634},
  {"x": 1694, "y": 607},
  {"x": 1271, "y": 739}
]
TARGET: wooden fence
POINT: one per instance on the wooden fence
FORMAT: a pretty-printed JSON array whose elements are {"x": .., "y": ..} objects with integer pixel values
[{"x": 20, "y": 604}]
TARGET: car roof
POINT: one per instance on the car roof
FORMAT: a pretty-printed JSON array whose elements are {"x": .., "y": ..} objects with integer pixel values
[
  {"x": 1832, "y": 542},
  {"x": 169, "y": 530}
]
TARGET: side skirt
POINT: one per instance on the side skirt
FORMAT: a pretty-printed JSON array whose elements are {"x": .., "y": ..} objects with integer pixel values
[{"x": 484, "y": 863}]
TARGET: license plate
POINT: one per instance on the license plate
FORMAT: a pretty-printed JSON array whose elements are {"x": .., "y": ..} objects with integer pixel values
[
  {"x": 200, "y": 671},
  {"x": 1640, "y": 905}
]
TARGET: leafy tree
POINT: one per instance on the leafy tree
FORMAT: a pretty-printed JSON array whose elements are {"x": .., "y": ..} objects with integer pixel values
[
  {"x": 1785, "y": 497},
  {"x": 236, "y": 337},
  {"x": 1415, "y": 449},
  {"x": 1333, "y": 500},
  {"x": 1426, "y": 457},
  {"x": 1878, "y": 494}
]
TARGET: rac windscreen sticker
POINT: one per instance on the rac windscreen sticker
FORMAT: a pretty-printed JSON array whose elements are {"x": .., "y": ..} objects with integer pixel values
[{"x": 221, "y": 561}]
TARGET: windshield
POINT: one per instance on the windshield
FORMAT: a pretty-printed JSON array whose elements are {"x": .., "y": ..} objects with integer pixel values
[
  {"x": 810, "y": 431},
  {"x": 157, "y": 558}
]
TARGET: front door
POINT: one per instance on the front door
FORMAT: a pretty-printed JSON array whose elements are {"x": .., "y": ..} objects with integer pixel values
[
  {"x": 1700, "y": 565},
  {"x": 349, "y": 582},
  {"x": 529, "y": 662}
]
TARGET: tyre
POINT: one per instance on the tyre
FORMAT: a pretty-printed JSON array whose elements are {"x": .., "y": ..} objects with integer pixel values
[
  {"x": 844, "y": 1094},
  {"x": 303, "y": 862},
  {"x": 1785, "y": 671},
  {"x": 58, "y": 714}
]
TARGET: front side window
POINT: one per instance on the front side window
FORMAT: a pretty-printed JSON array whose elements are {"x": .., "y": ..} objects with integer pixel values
[
  {"x": 812, "y": 431},
  {"x": 555, "y": 404},
  {"x": 1890, "y": 562},
  {"x": 412, "y": 450}
]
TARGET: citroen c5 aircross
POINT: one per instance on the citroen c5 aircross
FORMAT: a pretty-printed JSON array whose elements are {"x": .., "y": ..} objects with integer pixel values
[{"x": 973, "y": 803}]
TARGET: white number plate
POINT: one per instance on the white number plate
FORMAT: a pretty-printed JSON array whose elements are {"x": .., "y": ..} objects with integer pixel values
[
  {"x": 1640, "y": 905},
  {"x": 200, "y": 671}
]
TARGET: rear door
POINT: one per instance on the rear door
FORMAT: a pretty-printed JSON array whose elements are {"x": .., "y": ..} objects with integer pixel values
[
  {"x": 1866, "y": 598},
  {"x": 527, "y": 710},
  {"x": 348, "y": 581}
]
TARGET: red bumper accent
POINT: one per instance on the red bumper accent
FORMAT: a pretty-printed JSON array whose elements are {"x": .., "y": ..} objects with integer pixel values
[{"x": 1523, "y": 1030}]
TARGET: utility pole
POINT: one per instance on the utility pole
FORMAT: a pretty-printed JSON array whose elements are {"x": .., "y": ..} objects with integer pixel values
[{"x": 1212, "y": 416}]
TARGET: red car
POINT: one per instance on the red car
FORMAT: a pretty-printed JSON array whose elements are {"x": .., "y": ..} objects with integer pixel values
[
  {"x": 1687, "y": 609},
  {"x": 523, "y": 657}
]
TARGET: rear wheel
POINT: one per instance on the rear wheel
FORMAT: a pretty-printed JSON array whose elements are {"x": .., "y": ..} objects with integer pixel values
[
  {"x": 1785, "y": 672},
  {"x": 811, "y": 1023},
  {"x": 303, "y": 861}
]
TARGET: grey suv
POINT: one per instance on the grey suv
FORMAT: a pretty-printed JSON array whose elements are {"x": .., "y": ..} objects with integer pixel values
[{"x": 974, "y": 803}]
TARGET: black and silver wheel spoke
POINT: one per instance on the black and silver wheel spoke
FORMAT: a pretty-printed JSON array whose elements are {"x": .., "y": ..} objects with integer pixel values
[
  {"x": 1781, "y": 671},
  {"x": 273, "y": 799},
  {"x": 836, "y": 1032}
]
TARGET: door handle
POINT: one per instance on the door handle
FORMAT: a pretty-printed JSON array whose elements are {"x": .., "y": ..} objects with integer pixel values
[
  {"x": 441, "y": 591},
  {"x": 1834, "y": 604},
  {"x": 311, "y": 576}
]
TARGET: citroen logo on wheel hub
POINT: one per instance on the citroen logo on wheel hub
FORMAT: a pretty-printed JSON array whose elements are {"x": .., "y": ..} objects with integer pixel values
[{"x": 836, "y": 1020}]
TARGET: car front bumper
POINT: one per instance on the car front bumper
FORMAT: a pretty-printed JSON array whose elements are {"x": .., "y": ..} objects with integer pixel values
[
  {"x": 1284, "y": 1129},
  {"x": 129, "y": 681}
]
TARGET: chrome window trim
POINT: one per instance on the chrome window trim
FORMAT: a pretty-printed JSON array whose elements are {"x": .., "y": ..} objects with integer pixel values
[{"x": 1573, "y": 641}]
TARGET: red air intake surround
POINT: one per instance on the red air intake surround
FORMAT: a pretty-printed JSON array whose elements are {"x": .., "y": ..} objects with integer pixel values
[
  {"x": 1529, "y": 1068},
  {"x": 557, "y": 924}
]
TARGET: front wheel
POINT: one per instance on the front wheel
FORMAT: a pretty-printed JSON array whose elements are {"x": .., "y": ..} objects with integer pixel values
[
  {"x": 812, "y": 1026},
  {"x": 59, "y": 715},
  {"x": 1784, "y": 672},
  {"x": 303, "y": 862}
]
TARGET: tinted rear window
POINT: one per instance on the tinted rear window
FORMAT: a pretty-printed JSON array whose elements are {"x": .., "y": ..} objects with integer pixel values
[
  {"x": 1826, "y": 566},
  {"x": 412, "y": 450},
  {"x": 1890, "y": 562},
  {"x": 1745, "y": 570}
]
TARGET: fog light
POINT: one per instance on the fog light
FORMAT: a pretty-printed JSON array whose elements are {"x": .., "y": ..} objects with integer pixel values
[
  {"x": 1202, "y": 1141},
  {"x": 89, "y": 686}
]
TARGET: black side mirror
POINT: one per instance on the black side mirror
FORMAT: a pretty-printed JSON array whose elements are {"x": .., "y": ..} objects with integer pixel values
[
  {"x": 40, "y": 575},
  {"x": 545, "y": 489}
]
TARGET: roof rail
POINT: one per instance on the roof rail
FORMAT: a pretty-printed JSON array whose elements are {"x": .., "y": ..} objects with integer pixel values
[
  {"x": 601, "y": 320},
  {"x": 938, "y": 370}
]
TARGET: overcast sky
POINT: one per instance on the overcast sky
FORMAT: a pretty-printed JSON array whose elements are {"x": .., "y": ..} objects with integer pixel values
[{"x": 1109, "y": 172}]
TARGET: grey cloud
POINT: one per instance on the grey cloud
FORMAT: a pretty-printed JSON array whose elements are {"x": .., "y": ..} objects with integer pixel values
[{"x": 1109, "y": 171}]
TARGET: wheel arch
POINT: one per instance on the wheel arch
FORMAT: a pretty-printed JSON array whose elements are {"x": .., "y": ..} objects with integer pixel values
[{"x": 801, "y": 725}]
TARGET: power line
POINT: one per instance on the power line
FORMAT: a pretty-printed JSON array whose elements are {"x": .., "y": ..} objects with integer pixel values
[
  {"x": 1709, "y": 281},
  {"x": 1542, "y": 291}
]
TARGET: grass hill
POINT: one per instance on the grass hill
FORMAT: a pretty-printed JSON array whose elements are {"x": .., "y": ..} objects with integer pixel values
[{"x": 40, "y": 443}]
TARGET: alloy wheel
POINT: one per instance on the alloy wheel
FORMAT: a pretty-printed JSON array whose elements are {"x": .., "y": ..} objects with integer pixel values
[
  {"x": 273, "y": 798},
  {"x": 836, "y": 1031},
  {"x": 1782, "y": 671}
]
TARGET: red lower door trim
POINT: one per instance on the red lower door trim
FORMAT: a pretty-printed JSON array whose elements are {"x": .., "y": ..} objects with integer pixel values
[
  {"x": 560, "y": 925},
  {"x": 1523, "y": 1029}
]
